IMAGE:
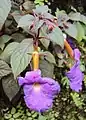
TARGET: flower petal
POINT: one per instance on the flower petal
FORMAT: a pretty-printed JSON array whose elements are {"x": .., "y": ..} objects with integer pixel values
[
  {"x": 77, "y": 54},
  {"x": 75, "y": 76},
  {"x": 21, "y": 81},
  {"x": 51, "y": 87},
  {"x": 33, "y": 76},
  {"x": 37, "y": 100},
  {"x": 76, "y": 87}
]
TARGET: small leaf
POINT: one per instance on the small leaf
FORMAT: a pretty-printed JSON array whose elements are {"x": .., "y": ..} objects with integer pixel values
[
  {"x": 20, "y": 59},
  {"x": 45, "y": 42},
  {"x": 4, "y": 39},
  {"x": 5, "y": 7},
  {"x": 41, "y": 117},
  {"x": 41, "y": 9},
  {"x": 46, "y": 68},
  {"x": 4, "y": 69},
  {"x": 17, "y": 15},
  {"x": 62, "y": 17},
  {"x": 26, "y": 21},
  {"x": 56, "y": 36},
  {"x": 74, "y": 16},
  {"x": 77, "y": 99},
  {"x": 10, "y": 86},
  {"x": 49, "y": 57},
  {"x": 8, "y": 51},
  {"x": 71, "y": 30},
  {"x": 80, "y": 31},
  {"x": 43, "y": 33},
  {"x": 28, "y": 5}
]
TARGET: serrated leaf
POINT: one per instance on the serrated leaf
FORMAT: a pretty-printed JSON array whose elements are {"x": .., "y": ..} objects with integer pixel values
[
  {"x": 49, "y": 57},
  {"x": 10, "y": 86},
  {"x": 4, "y": 39},
  {"x": 5, "y": 7},
  {"x": 56, "y": 36},
  {"x": 26, "y": 21},
  {"x": 80, "y": 31},
  {"x": 71, "y": 30},
  {"x": 20, "y": 59},
  {"x": 4, "y": 69},
  {"x": 8, "y": 51},
  {"x": 46, "y": 68}
]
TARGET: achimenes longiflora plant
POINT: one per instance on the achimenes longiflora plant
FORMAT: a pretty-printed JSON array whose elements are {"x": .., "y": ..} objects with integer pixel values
[{"x": 39, "y": 91}]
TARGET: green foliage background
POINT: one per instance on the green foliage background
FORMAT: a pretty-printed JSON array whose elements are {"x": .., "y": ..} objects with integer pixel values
[{"x": 15, "y": 54}]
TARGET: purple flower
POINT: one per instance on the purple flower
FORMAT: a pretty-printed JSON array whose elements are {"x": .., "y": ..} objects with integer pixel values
[
  {"x": 71, "y": 43},
  {"x": 39, "y": 91},
  {"x": 75, "y": 75}
]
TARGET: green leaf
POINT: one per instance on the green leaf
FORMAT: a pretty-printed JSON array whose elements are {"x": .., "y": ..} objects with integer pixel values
[
  {"x": 80, "y": 31},
  {"x": 56, "y": 36},
  {"x": 49, "y": 57},
  {"x": 74, "y": 16},
  {"x": 10, "y": 86},
  {"x": 4, "y": 69},
  {"x": 45, "y": 42},
  {"x": 18, "y": 37},
  {"x": 71, "y": 30},
  {"x": 83, "y": 19},
  {"x": 41, "y": 9},
  {"x": 20, "y": 59},
  {"x": 28, "y": 5},
  {"x": 76, "y": 98},
  {"x": 26, "y": 21},
  {"x": 8, "y": 51},
  {"x": 4, "y": 39},
  {"x": 41, "y": 117},
  {"x": 77, "y": 17},
  {"x": 5, "y": 7},
  {"x": 17, "y": 15},
  {"x": 65, "y": 82},
  {"x": 62, "y": 17},
  {"x": 46, "y": 68}
]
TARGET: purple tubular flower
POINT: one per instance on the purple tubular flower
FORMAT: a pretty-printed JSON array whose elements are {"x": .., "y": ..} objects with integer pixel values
[
  {"x": 71, "y": 43},
  {"x": 75, "y": 75},
  {"x": 39, "y": 91}
]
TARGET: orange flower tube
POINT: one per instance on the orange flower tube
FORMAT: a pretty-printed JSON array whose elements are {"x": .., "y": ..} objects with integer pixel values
[
  {"x": 35, "y": 60},
  {"x": 68, "y": 47}
]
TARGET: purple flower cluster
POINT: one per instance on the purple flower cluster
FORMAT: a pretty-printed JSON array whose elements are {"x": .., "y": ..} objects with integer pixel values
[
  {"x": 38, "y": 91},
  {"x": 75, "y": 75}
]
